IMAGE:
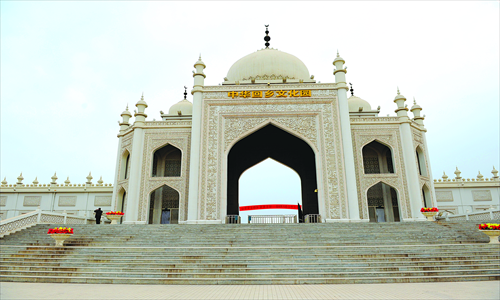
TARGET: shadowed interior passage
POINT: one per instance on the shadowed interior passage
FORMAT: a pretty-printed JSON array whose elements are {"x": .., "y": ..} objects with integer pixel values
[{"x": 275, "y": 143}]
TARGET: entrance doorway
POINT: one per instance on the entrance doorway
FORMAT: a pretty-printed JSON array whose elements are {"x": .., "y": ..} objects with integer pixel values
[
  {"x": 383, "y": 203},
  {"x": 268, "y": 184},
  {"x": 285, "y": 148},
  {"x": 164, "y": 206}
]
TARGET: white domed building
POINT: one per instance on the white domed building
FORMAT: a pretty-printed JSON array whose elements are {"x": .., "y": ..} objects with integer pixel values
[{"x": 354, "y": 165}]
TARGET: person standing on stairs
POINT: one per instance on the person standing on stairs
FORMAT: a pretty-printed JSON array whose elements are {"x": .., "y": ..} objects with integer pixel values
[{"x": 98, "y": 214}]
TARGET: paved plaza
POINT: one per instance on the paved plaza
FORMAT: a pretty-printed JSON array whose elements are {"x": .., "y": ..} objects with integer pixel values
[{"x": 480, "y": 290}]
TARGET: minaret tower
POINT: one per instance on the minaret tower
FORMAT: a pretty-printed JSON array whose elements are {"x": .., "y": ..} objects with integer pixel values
[
  {"x": 409, "y": 158},
  {"x": 345, "y": 125},
  {"x": 124, "y": 125},
  {"x": 419, "y": 119},
  {"x": 194, "y": 168},
  {"x": 133, "y": 193}
]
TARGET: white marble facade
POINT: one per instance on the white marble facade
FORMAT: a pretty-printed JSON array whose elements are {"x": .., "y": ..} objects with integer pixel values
[{"x": 179, "y": 164}]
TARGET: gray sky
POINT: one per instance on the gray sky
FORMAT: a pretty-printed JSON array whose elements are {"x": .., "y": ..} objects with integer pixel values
[{"x": 69, "y": 68}]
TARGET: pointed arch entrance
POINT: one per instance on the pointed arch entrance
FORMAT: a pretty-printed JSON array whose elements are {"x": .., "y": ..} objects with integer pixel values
[
  {"x": 273, "y": 142},
  {"x": 383, "y": 203},
  {"x": 164, "y": 206}
]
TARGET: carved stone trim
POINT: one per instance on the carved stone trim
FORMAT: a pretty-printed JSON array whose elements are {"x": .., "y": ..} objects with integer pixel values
[
  {"x": 390, "y": 136},
  {"x": 444, "y": 196},
  {"x": 313, "y": 120},
  {"x": 67, "y": 201},
  {"x": 154, "y": 139},
  {"x": 102, "y": 201},
  {"x": 32, "y": 200},
  {"x": 482, "y": 195}
]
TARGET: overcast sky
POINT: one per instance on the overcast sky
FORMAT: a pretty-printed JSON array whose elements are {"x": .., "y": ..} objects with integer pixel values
[{"x": 69, "y": 68}]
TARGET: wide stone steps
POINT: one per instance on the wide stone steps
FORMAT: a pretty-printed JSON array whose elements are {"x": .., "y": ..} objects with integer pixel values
[
  {"x": 293, "y": 265},
  {"x": 274, "y": 274},
  {"x": 252, "y": 254},
  {"x": 261, "y": 281},
  {"x": 251, "y": 268}
]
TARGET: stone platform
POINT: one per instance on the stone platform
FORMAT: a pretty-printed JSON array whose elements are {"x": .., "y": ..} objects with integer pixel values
[{"x": 259, "y": 254}]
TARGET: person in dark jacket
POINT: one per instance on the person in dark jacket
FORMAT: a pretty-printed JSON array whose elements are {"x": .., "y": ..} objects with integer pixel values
[{"x": 98, "y": 214}]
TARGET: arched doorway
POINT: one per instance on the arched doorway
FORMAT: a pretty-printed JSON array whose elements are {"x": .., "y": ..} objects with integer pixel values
[
  {"x": 273, "y": 142},
  {"x": 120, "y": 205},
  {"x": 383, "y": 204},
  {"x": 164, "y": 206},
  {"x": 285, "y": 191},
  {"x": 426, "y": 196}
]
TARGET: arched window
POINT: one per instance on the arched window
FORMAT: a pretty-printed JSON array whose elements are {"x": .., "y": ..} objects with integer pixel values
[
  {"x": 383, "y": 203},
  {"x": 164, "y": 206},
  {"x": 421, "y": 161},
  {"x": 124, "y": 165},
  {"x": 167, "y": 162},
  {"x": 377, "y": 158}
]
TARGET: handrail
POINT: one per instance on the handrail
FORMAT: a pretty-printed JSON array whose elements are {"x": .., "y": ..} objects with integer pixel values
[
  {"x": 38, "y": 216},
  {"x": 233, "y": 219},
  {"x": 272, "y": 219},
  {"x": 479, "y": 216},
  {"x": 312, "y": 218}
]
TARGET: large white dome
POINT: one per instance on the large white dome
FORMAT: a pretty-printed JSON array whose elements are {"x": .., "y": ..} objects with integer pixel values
[
  {"x": 268, "y": 64},
  {"x": 356, "y": 103},
  {"x": 181, "y": 108}
]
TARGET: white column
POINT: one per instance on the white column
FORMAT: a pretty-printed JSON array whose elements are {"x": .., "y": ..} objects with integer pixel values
[
  {"x": 347, "y": 148},
  {"x": 194, "y": 163},
  {"x": 412, "y": 174},
  {"x": 126, "y": 115},
  {"x": 431, "y": 179},
  {"x": 134, "y": 182},
  {"x": 117, "y": 175},
  {"x": 133, "y": 194}
]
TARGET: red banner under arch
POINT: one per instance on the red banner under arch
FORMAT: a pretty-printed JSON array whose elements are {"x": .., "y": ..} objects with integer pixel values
[{"x": 269, "y": 206}]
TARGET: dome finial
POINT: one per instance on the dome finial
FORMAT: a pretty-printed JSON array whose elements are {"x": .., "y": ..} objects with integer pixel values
[
  {"x": 398, "y": 91},
  {"x": 185, "y": 92},
  {"x": 352, "y": 90},
  {"x": 267, "y": 38}
]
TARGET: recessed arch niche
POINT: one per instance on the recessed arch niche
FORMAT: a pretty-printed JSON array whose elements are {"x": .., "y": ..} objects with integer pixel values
[
  {"x": 125, "y": 160},
  {"x": 377, "y": 158},
  {"x": 422, "y": 169},
  {"x": 167, "y": 162}
]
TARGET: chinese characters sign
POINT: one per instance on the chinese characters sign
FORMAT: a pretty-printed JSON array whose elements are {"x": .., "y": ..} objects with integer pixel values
[{"x": 270, "y": 94}]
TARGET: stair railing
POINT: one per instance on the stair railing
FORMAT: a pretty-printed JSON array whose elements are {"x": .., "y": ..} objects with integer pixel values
[
  {"x": 312, "y": 218},
  {"x": 233, "y": 219},
  {"x": 475, "y": 216},
  {"x": 272, "y": 219},
  {"x": 38, "y": 216}
]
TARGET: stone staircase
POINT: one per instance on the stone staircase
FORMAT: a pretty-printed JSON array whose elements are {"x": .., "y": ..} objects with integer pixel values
[{"x": 253, "y": 254}]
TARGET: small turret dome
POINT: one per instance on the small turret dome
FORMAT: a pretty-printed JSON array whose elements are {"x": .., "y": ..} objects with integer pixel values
[
  {"x": 355, "y": 103},
  {"x": 268, "y": 64},
  {"x": 184, "y": 107},
  {"x": 126, "y": 112}
]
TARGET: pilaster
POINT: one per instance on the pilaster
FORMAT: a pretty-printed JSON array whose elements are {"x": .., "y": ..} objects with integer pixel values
[
  {"x": 347, "y": 148},
  {"x": 194, "y": 172}
]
